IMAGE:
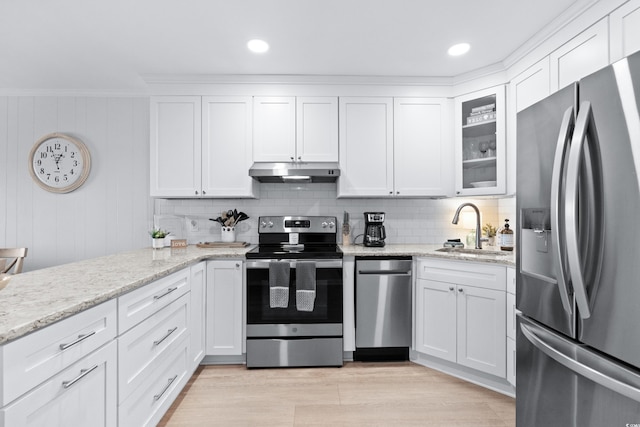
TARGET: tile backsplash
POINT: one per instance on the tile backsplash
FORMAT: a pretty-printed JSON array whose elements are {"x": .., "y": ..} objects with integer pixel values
[{"x": 425, "y": 221}]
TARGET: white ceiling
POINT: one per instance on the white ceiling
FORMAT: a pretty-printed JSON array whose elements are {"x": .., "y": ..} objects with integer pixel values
[{"x": 111, "y": 45}]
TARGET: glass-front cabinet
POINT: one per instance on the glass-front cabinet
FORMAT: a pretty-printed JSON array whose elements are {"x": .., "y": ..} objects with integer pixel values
[{"x": 480, "y": 143}]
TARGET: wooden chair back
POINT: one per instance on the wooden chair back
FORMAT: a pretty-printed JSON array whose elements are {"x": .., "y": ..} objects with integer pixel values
[{"x": 12, "y": 258}]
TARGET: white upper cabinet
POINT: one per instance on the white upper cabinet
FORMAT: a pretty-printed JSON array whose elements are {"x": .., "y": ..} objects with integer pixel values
[
  {"x": 527, "y": 88},
  {"x": 580, "y": 56},
  {"x": 227, "y": 148},
  {"x": 201, "y": 146},
  {"x": 366, "y": 147},
  {"x": 274, "y": 128},
  {"x": 530, "y": 86},
  {"x": 625, "y": 30},
  {"x": 480, "y": 143},
  {"x": 290, "y": 129},
  {"x": 175, "y": 146},
  {"x": 317, "y": 129},
  {"x": 422, "y": 146},
  {"x": 395, "y": 147}
]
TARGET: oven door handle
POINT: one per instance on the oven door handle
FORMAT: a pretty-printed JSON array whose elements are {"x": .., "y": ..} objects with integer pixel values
[{"x": 264, "y": 263}]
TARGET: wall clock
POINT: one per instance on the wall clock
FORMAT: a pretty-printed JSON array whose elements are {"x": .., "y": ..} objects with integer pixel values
[{"x": 59, "y": 163}]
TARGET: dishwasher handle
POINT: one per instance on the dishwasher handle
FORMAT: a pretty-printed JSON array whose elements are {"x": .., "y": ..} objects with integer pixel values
[{"x": 386, "y": 272}]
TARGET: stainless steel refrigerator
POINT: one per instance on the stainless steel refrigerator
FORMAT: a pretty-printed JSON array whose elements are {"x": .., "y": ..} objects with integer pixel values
[{"x": 578, "y": 254}]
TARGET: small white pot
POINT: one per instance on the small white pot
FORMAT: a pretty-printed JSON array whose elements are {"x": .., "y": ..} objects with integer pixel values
[
  {"x": 228, "y": 234},
  {"x": 157, "y": 243}
]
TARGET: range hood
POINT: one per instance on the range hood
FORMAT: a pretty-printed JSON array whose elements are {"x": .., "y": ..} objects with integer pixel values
[{"x": 292, "y": 172}]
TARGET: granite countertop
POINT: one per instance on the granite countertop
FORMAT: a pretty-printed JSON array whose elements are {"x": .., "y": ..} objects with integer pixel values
[
  {"x": 505, "y": 258},
  {"x": 38, "y": 298}
]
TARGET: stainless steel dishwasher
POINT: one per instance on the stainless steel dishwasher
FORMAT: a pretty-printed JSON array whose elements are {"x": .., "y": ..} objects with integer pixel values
[{"x": 383, "y": 308}]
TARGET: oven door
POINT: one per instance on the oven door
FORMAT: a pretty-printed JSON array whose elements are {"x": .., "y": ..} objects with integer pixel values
[{"x": 327, "y": 306}]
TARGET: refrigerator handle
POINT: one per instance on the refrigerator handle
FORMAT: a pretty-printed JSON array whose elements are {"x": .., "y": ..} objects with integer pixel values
[
  {"x": 586, "y": 159},
  {"x": 584, "y": 362},
  {"x": 557, "y": 194}
]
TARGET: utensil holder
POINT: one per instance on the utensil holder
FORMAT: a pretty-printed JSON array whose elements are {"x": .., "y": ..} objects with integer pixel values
[{"x": 228, "y": 234}]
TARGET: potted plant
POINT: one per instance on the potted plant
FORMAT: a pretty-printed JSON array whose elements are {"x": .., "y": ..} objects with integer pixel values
[
  {"x": 490, "y": 231},
  {"x": 157, "y": 236}
]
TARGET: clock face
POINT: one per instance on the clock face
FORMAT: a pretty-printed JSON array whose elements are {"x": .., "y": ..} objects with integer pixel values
[{"x": 59, "y": 163}]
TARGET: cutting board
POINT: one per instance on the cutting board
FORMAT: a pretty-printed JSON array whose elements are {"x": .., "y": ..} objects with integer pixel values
[{"x": 222, "y": 244}]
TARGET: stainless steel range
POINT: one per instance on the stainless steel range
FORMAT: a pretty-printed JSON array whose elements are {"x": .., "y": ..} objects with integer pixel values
[{"x": 294, "y": 293}]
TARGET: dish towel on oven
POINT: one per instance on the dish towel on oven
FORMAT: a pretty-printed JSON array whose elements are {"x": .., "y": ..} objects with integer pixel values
[
  {"x": 278, "y": 284},
  {"x": 305, "y": 285}
]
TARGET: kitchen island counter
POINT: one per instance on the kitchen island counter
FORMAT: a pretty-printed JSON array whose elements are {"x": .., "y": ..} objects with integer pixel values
[
  {"x": 38, "y": 298},
  {"x": 420, "y": 250}
]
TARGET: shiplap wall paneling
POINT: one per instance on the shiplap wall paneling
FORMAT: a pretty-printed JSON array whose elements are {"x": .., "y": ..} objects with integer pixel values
[{"x": 110, "y": 213}]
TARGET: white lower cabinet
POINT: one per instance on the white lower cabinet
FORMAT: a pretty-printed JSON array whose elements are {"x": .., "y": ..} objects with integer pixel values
[
  {"x": 124, "y": 362},
  {"x": 460, "y": 314},
  {"x": 436, "y": 315},
  {"x": 148, "y": 403},
  {"x": 224, "y": 323},
  {"x": 145, "y": 347},
  {"x": 154, "y": 360},
  {"x": 511, "y": 326},
  {"x": 198, "y": 312},
  {"x": 84, "y": 394},
  {"x": 31, "y": 360}
]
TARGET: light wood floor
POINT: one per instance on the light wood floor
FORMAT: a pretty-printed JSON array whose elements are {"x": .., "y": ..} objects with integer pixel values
[{"x": 358, "y": 394}]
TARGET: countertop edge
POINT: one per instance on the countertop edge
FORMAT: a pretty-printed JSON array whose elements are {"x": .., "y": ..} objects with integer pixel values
[
  {"x": 421, "y": 250},
  {"x": 22, "y": 294},
  {"x": 89, "y": 283}
]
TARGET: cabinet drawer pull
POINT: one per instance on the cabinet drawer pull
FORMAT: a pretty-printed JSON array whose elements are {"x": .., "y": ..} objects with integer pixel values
[
  {"x": 157, "y": 297},
  {"x": 80, "y": 338},
  {"x": 451, "y": 288},
  {"x": 169, "y": 332},
  {"x": 83, "y": 373},
  {"x": 166, "y": 387}
]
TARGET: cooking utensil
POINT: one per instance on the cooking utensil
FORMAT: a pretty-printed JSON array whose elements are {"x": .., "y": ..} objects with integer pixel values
[{"x": 218, "y": 220}]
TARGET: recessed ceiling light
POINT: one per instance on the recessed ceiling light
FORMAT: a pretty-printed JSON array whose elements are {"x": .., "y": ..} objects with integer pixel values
[
  {"x": 258, "y": 46},
  {"x": 459, "y": 49}
]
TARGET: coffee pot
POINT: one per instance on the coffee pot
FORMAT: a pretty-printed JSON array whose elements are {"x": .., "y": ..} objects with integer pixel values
[{"x": 374, "y": 233}]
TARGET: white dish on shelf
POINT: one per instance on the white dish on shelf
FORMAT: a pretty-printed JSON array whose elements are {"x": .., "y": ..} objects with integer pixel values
[{"x": 479, "y": 184}]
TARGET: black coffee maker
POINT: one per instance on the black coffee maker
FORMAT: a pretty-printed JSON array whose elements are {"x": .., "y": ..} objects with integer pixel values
[{"x": 374, "y": 233}]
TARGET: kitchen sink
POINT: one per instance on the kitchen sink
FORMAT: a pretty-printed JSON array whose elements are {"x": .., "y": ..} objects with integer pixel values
[{"x": 465, "y": 251}]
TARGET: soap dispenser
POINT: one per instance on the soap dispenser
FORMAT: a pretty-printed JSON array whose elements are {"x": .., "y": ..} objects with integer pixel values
[{"x": 506, "y": 237}]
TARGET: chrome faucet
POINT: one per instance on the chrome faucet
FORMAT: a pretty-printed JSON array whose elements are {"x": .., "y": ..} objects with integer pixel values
[{"x": 478, "y": 229}]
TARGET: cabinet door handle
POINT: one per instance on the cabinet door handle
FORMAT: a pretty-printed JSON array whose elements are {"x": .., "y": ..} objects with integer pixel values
[
  {"x": 166, "y": 387},
  {"x": 196, "y": 192},
  {"x": 460, "y": 290},
  {"x": 450, "y": 288},
  {"x": 204, "y": 192},
  {"x": 157, "y": 297},
  {"x": 169, "y": 332},
  {"x": 76, "y": 341},
  {"x": 83, "y": 373},
  {"x": 237, "y": 265}
]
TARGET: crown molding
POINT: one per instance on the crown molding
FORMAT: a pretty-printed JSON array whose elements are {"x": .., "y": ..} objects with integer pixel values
[
  {"x": 75, "y": 93},
  {"x": 295, "y": 79}
]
